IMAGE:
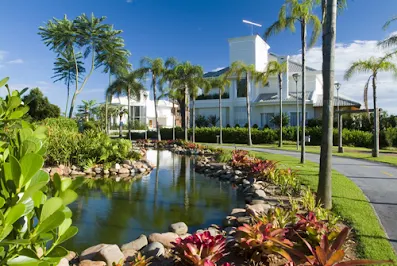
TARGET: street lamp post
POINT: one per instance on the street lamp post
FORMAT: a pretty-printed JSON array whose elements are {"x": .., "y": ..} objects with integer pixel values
[
  {"x": 296, "y": 77},
  {"x": 340, "y": 148},
  {"x": 145, "y": 98}
]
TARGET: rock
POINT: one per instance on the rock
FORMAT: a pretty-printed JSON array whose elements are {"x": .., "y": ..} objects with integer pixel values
[
  {"x": 238, "y": 212},
  {"x": 179, "y": 228},
  {"x": 229, "y": 221},
  {"x": 88, "y": 171},
  {"x": 129, "y": 254},
  {"x": 137, "y": 244},
  {"x": 110, "y": 254},
  {"x": 89, "y": 253},
  {"x": 226, "y": 177},
  {"x": 238, "y": 172},
  {"x": 165, "y": 239},
  {"x": 142, "y": 170},
  {"x": 66, "y": 171},
  {"x": 74, "y": 168},
  {"x": 92, "y": 263},
  {"x": 128, "y": 162},
  {"x": 260, "y": 194},
  {"x": 246, "y": 182},
  {"x": 132, "y": 171},
  {"x": 63, "y": 262},
  {"x": 235, "y": 178},
  {"x": 230, "y": 230},
  {"x": 106, "y": 172},
  {"x": 257, "y": 201},
  {"x": 71, "y": 255},
  {"x": 57, "y": 170},
  {"x": 213, "y": 231},
  {"x": 75, "y": 172},
  {"x": 256, "y": 186},
  {"x": 124, "y": 171},
  {"x": 257, "y": 209},
  {"x": 154, "y": 249},
  {"x": 184, "y": 236},
  {"x": 98, "y": 170},
  {"x": 244, "y": 220},
  {"x": 117, "y": 166},
  {"x": 113, "y": 170}
]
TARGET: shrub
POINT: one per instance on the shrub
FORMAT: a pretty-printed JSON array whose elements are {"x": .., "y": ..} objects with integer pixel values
[
  {"x": 92, "y": 125},
  {"x": 391, "y": 136},
  {"x": 237, "y": 126},
  {"x": 246, "y": 125},
  {"x": 255, "y": 126},
  {"x": 227, "y": 125},
  {"x": 60, "y": 123}
]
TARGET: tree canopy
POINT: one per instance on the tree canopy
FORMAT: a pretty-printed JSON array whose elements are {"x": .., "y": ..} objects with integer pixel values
[{"x": 39, "y": 106}]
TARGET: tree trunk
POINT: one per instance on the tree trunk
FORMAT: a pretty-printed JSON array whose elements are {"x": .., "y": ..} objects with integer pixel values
[
  {"x": 324, "y": 190},
  {"x": 120, "y": 126},
  {"x": 375, "y": 151},
  {"x": 107, "y": 106},
  {"x": 173, "y": 119},
  {"x": 155, "y": 107},
  {"x": 220, "y": 117},
  {"x": 186, "y": 113},
  {"x": 129, "y": 111},
  {"x": 303, "y": 33},
  {"x": 194, "y": 120},
  {"x": 248, "y": 109},
  {"x": 280, "y": 84},
  {"x": 76, "y": 83},
  {"x": 68, "y": 95}
]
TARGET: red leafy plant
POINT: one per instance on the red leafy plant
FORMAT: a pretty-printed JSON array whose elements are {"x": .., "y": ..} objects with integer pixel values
[
  {"x": 241, "y": 159},
  {"x": 200, "y": 249},
  {"x": 264, "y": 168},
  {"x": 326, "y": 254},
  {"x": 262, "y": 239}
]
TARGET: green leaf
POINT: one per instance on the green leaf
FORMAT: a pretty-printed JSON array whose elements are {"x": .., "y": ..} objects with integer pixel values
[
  {"x": 29, "y": 146},
  {"x": 12, "y": 170},
  {"x": 3, "y": 81},
  {"x": 50, "y": 207},
  {"x": 50, "y": 224},
  {"x": 2, "y": 201},
  {"x": 29, "y": 253},
  {"x": 13, "y": 214},
  {"x": 56, "y": 179},
  {"x": 15, "y": 242},
  {"x": 77, "y": 182},
  {"x": 38, "y": 198},
  {"x": 40, "y": 132},
  {"x": 14, "y": 102},
  {"x": 64, "y": 226},
  {"x": 39, "y": 177},
  {"x": 68, "y": 212},
  {"x": 58, "y": 252},
  {"x": 30, "y": 164},
  {"x": 68, "y": 196},
  {"x": 5, "y": 231},
  {"x": 71, "y": 232},
  {"x": 65, "y": 184},
  {"x": 23, "y": 261},
  {"x": 25, "y": 133}
]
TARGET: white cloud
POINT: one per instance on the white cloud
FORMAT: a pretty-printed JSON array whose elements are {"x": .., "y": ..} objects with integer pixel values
[
  {"x": 16, "y": 61},
  {"x": 345, "y": 54}
]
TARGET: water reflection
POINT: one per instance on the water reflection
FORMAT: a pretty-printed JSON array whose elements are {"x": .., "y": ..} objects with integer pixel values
[{"x": 117, "y": 212}]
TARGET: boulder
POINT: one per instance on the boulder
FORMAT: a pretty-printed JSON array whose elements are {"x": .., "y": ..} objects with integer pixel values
[
  {"x": 110, "y": 254},
  {"x": 74, "y": 168},
  {"x": 92, "y": 263},
  {"x": 63, "y": 262},
  {"x": 66, "y": 171},
  {"x": 230, "y": 230},
  {"x": 256, "y": 186},
  {"x": 229, "y": 221},
  {"x": 113, "y": 170},
  {"x": 165, "y": 239},
  {"x": 238, "y": 172},
  {"x": 88, "y": 171},
  {"x": 75, "y": 172},
  {"x": 106, "y": 172},
  {"x": 244, "y": 220},
  {"x": 57, "y": 170},
  {"x": 213, "y": 231},
  {"x": 257, "y": 201},
  {"x": 71, "y": 255},
  {"x": 129, "y": 254},
  {"x": 128, "y": 162},
  {"x": 117, "y": 166},
  {"x": 154, "y": 249},
  {"x": 124, "y": 171},
  {"x": 132, "y": 171},
  {"x": 246, "y": 183},
  {"x": 98, "y": 170},
  {"x": 238, "y": 212},
  {"x": 260, "y": 194},
  {"x": 179, "y": 228},
  {"x": 142, "y": 170},
  {"x": 137, "y": 244},
  {"x": 90, "y": 253},
  {"x": 257, "y": 209}
]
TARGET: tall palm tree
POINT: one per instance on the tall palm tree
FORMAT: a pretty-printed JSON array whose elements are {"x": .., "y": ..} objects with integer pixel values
[
  {"x": 241, "y": 70},
  {"x": 65, "y": 70},
  {"x": 156, "y": 67},
  {"x": 292, "y": 12},
  {"x": 391, "y": 41},
  {"x": 221, "y": 83},
  {"x": 130, "y": 86},
  {"x": 189, "y": 78},
  {"x": 372, "y": 66},
  {"x": 275, "y": 68},
  {"x": 86, "y": 108}
]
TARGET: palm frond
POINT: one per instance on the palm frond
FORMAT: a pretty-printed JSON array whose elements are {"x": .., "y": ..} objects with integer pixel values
[
  {"x": 391, "y": 41},
  {"x": 387, "y": 24},
  {"x": 315, "y": 22},
  {"x": 366, "y": 93},
  {"x": 356, "y": 67}
]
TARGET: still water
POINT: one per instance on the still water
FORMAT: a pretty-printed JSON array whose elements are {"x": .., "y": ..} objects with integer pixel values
[{"x": 118, "y": 212}]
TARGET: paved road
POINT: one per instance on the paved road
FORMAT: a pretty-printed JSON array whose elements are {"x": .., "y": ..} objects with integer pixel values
[{"x": 378, "y": 182}]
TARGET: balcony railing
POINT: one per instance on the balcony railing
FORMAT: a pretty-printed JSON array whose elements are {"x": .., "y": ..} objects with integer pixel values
[{"x": 212, "y": 96}]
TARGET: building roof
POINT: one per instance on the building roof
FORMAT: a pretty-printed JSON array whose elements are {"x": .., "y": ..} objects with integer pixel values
[
  {"x": 309, "y": 95},
  {"x": 293, "y": 66},
  {"x": 343, "y": 101},
  {"x": 217, "y": 73},
  {"x": 263, "y": 97}
]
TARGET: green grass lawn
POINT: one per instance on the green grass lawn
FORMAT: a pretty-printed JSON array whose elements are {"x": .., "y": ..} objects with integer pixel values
[{"x": 349, "y": 202}]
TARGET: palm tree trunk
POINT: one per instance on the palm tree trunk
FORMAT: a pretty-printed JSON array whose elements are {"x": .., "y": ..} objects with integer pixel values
[
  {"x": 155, "y": 107},
  {"x": 107, "y": 106},
  {"x": 68, "y": 94},
  {"x": 186, "y": 112},
  {"x": 120, "y": 126},
  {"x": 76, "y": 83},
  {"x": 129, "y": 111},
  {"x": 194, "y": 120},
  {"x": 280, "y": 84},
  {"x": 173, "y": 119},
  {"x": 375, "y": 151},
  {"x": 324, "y": 190},
  {"x": 220, "y": 117},
  {"x": 248, "y": 109},
  {"x": 303, "y": 33}
]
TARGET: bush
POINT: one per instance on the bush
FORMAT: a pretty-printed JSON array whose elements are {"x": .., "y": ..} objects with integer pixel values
[
  {"x": 92, "y": 125},
  {"x": 314, "y": 122},
  {"x": 60, "y": 123},
  {"x": 255, "y": 126},
  {"x": 391, "y": 137},
  {"x": 237, "y": 125}
]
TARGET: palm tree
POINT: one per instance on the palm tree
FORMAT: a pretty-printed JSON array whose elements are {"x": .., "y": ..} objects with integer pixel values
[
  {"x": 89, "y": 34},
  {"x": 291, "y": 12},
  {"x": 64, "y": 70},
  {"x": 239, "y": 69},
  {"x": 372, "y": 66},
  {"x": 156, "y": 67},
  {"x": 188, "y": 78},
  {"x": 127, "y": 85},
  {"x": 221, "y": 83},
  {"x": 391, "y": 41},
  {"x": 276, "y": 68},
  {"x": 86, "y": 108}
]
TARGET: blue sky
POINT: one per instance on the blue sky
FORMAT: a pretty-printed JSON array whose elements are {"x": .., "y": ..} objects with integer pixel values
[{"x": 194, "y": 30}]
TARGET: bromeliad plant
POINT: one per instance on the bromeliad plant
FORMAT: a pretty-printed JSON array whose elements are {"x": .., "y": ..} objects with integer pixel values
[
  {"x": 200, "y": 249},
  {"x": 33, "y": 223}
]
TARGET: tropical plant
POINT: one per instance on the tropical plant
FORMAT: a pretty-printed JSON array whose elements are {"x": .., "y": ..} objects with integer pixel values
[
  {"x": 292, "y": 12},
  {"x": 391, "y": 41},
  {"x": 35, "y": 222},
  {"x": 39, "y": 106},
  {"x": 277, "y": 121},
  {"x": 239, "y": 69},
  {"x": 65, "y": 70},
  {"x": 130, "y": 86},
  {"x": 374, "y": 66},
  {"x": 201, "y": 249},
  {"x": 201, "y": 121},
  {"x": 87, "y": 34},
  {"x": 275, "y": 68},
  {"x": 221, "y": 83},
  {"x": 85, "y": 110},
  {"x": 278, "y": 217}
]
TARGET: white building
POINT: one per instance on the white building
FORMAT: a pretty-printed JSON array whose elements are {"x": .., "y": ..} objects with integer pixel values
[
  {"x": 142, "y": 110},
  {"x": 265, "y": 100}
]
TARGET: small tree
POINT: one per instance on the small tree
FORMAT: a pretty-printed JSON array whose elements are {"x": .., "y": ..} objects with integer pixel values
[{"x": 39, "y": 106}]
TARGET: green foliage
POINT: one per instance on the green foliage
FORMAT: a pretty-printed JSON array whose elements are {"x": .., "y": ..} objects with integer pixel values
[
  {"x": 34, "y": 221},
  {"x": 391, "y": 137},
  {"x": 276, "y": 120},
  {"x": 39, "y": 106},
  {"x": 92, "y": 125},
  {"x": 202, "y": 121}
]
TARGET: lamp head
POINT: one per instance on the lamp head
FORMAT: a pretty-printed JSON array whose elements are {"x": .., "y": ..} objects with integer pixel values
[
  {"x": 296, "y": 77},
  {"x": 337, "y": 85}
]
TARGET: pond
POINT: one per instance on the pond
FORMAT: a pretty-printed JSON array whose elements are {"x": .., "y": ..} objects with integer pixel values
[{"x": 118, "y": 212}]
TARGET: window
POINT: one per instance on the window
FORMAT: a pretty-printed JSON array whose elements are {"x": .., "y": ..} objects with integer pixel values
[
  {"x": 292, "y": 119},
  {"x": 266, "y": 119},
  {"x": 242, "y": 88},
  {"x": 240, "y": 116}
]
